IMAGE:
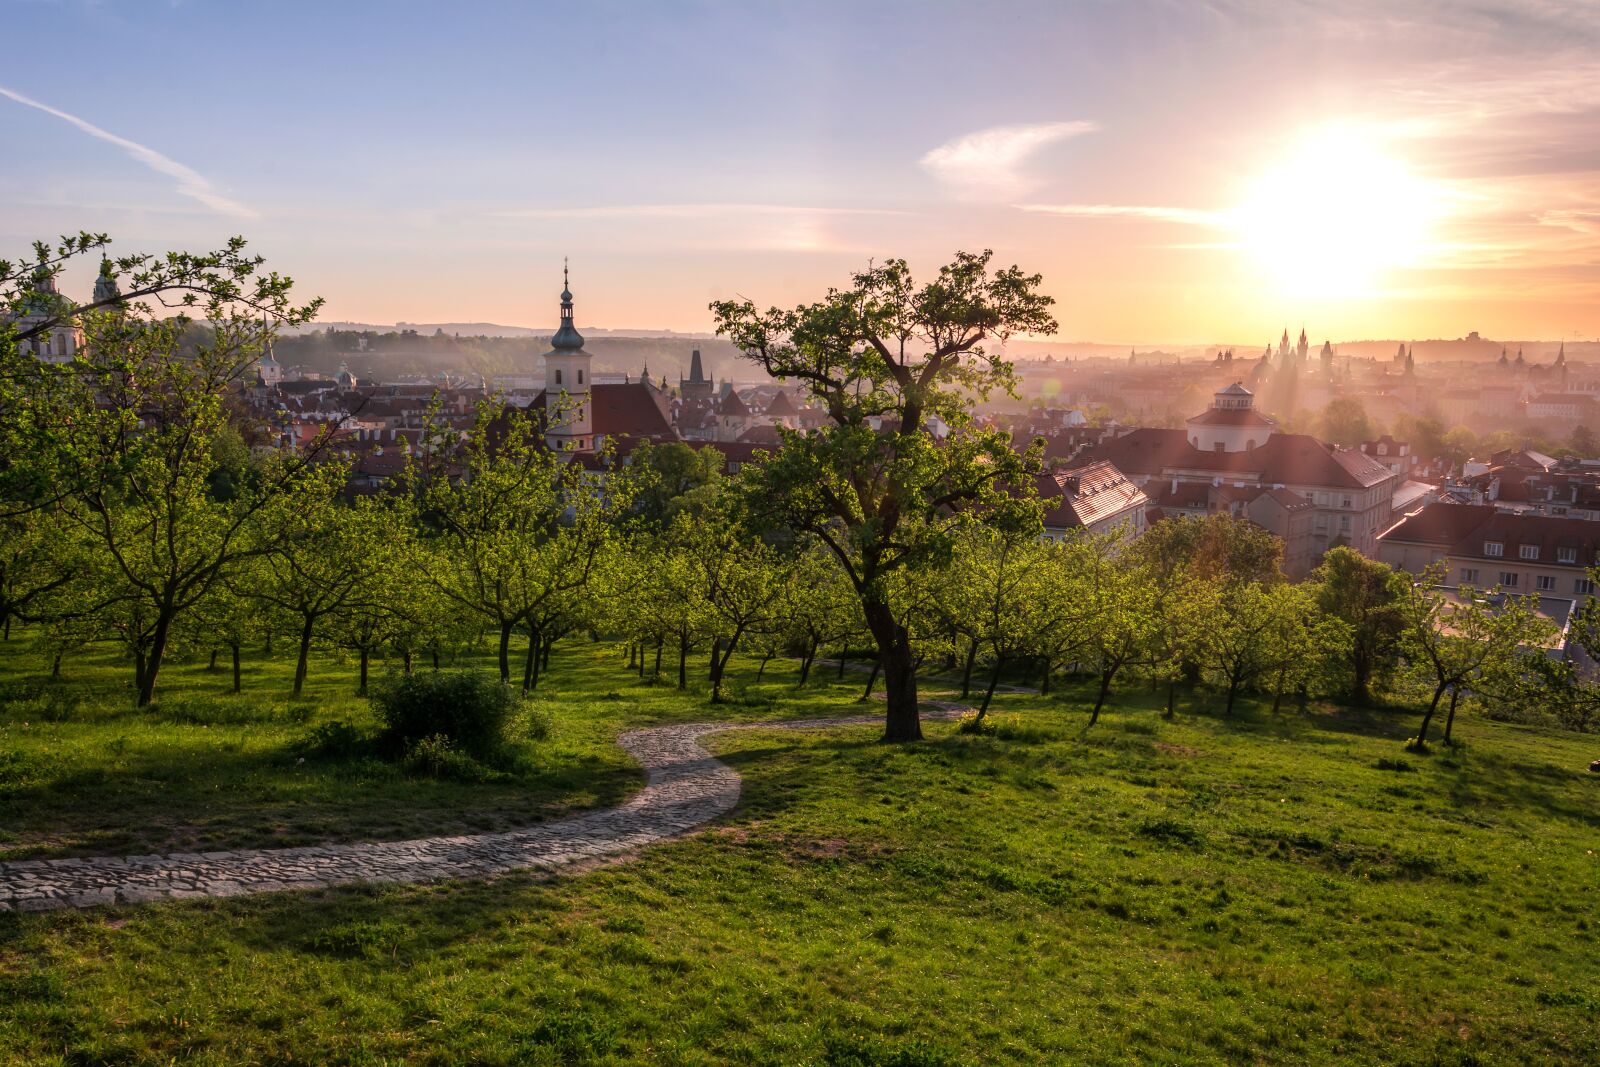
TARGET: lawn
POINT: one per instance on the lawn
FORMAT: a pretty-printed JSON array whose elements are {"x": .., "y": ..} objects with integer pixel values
[{"x": 1277, "y": 890}]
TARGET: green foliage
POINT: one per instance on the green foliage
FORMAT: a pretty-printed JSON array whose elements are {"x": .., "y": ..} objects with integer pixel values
[
  {"x": 469, "y": 709},
  {"x": 887, "y": 349}
]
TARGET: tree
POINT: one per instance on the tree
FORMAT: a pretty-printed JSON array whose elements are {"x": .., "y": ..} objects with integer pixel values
[
  {"x": 886, "y": 359},
  {"x": 138, "y": 455},
  {"x": 1122, "y": 620},
  {"x": 988, "y": 593},
  {"x": 510, "y": 527},
  {"x": 1585, "y": 442},
  {"x": 38, "y": 559},
  {"x": 739, "y": 577},
  {"x": 1365, "y": 595},
  {"x": 821, "y": 610},
  {"x": 227, "y": 618},
  {"x": 327, "y": 559},
  {"x": 1217, "y": 546},
  {"x": 1345, "y": 422},
  {"x": 38, "y": 400},
  {"x": 1451, "y": 641},
  {"x": 1184, "y": 607},
  {"x": 668, "y": 471},
  {"x": 1256, "y": 632}
]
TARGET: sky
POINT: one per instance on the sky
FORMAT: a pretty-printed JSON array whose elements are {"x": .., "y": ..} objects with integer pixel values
[{"x": 1179, "y": 171}]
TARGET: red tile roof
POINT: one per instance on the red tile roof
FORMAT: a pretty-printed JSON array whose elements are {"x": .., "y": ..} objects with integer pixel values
[
  {"x": 1284, "y": 458},
  {"x": 1231, "y": 417}
]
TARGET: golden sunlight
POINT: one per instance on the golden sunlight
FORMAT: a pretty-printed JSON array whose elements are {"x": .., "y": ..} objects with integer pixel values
[{"x": 1337, "y": 216}]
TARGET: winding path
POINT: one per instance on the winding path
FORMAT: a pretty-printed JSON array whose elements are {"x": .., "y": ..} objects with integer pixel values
[{"x": 687, "y": 787}]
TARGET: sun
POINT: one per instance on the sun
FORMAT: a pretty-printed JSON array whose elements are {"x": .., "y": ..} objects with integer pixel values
[{"x": 1335, "y": 217}]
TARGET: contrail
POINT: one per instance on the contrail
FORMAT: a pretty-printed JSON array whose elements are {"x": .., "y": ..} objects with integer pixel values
[{"x": 190, "y": 184}]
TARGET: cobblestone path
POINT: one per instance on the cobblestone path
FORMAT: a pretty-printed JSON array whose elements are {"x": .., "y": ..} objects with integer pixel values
[{"x": 687, "y": 787}]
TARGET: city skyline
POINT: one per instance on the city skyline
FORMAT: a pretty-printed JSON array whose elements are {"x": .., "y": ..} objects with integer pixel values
[{"x": 1177, "y": 172}]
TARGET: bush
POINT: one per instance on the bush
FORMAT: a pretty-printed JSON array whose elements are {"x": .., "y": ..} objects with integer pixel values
[
  {"x": 336, "y": 740},
  {"x": 470, "y": 710},
  {"x": 438, "y": 757}
]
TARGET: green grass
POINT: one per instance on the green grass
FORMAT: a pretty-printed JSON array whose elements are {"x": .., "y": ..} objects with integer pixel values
[{"x": 1267, "y": 890}]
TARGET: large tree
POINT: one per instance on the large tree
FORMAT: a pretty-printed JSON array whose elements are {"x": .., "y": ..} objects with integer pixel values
[
  {"x": 1365, "y": 595},
  {"x": 888, "y": 360}
]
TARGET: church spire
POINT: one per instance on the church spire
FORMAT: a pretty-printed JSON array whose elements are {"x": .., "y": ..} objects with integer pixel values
[{"x": 567, "y": 337}]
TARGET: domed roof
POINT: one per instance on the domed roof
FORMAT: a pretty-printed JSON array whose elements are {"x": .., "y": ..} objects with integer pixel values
[{"x": 566, "y": 339}]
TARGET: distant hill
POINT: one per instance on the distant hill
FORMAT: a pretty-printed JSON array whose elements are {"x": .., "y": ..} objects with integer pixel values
[{"x": 488, "y": 329}]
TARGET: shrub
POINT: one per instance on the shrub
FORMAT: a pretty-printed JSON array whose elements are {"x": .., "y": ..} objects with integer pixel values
[
  {"x": 336, "y": 740},
  {"x": 438, "y": 757},
  {"x": 971, "y": 722},
  {"x": 470, "y": 710}
]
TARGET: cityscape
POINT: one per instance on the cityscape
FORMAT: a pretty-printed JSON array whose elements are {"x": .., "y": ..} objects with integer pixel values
[{"x": 645, "y": 539}]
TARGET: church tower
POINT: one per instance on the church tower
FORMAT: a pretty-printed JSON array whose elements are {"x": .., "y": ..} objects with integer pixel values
[{"x": 567, "y": 379}]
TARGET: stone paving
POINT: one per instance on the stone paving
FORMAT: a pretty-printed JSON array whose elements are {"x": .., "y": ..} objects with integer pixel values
[{"x": 687, "y": 787}]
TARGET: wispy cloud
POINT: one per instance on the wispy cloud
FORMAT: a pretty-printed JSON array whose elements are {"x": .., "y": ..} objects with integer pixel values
[
  {"x": 190, "y": 183},
  {"x": 1189, "y": 216},
  {"x": 683, "y": 211},
  {"x": 990, "y": 162}
]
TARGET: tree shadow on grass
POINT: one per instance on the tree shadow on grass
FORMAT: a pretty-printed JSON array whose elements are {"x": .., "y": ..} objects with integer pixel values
[{"x": 155, "y": 800}]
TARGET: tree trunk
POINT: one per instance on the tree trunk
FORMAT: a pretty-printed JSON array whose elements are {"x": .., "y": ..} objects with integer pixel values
[
  {"x": 1277, "y": 691},
  {"x": 405, "y": 658},
  {"x": 1233, "y": 691},
  {"x": 435, "y": 653},
  {"x": 505, "y": 653},
  {"x": 1172, "y": 697},
  {"x": 546, "y": 646},
  {"x": 152, "y": 660},
  {"x": 213, "y": 664},
  {"x": 716, "y": 670},
  {"x": 361, "y": 690},
  {"x": 304, "y": 657},
  {"x": 530, "y": 664},
  {"x": 8, "y": 627},
  {"x": 1106, "y": 674},
  {"x": 807, "y": 660},
  {"x": 633, "y": 654},
  {"x": 1360, "y": 684},
  {"x": 1450, "y": 716},
  {"x": 683, "y": 661},
  {"x": 1044, "y": 681},
  {"x": 55, "y": 664},
  {"x": 660, "y": 641},
  {"x": 872, "y": 679},
  {"x": 1422, "y": 733},
  {"x": 966, "y": 672},
  {"x": 994, "y": 680},
  {"x": 901, "y": 719},
  {"x": 766, "y": 657},
  {"x": 842, "y": 651},
  {"x": 236, "y": 686}
]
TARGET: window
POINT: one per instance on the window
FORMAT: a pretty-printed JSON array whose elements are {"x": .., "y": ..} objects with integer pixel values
[
  {"x": 1344, "y": 524},
  {"x": 1583, "y": 586},
  {"x": 1469, "y": 576},
  {"x": 1383, "y": 450},
  {"x": 1566, "y": 555},
  {"x": 558, "y": 376},
  {"x": 1545, "y": 582},
  {"x": 1348, "y": 503},
  {"x": 1493, "y": 548},
  {"x": 1219, "y": 447},
  {"x": 580, "y": 375},
  {"x": 1508, "y": 579},
  {"x": 1528, "y": 551}
]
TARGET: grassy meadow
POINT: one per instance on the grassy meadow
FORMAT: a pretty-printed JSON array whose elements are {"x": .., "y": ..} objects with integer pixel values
[{"x": 1290, "y": 889}]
